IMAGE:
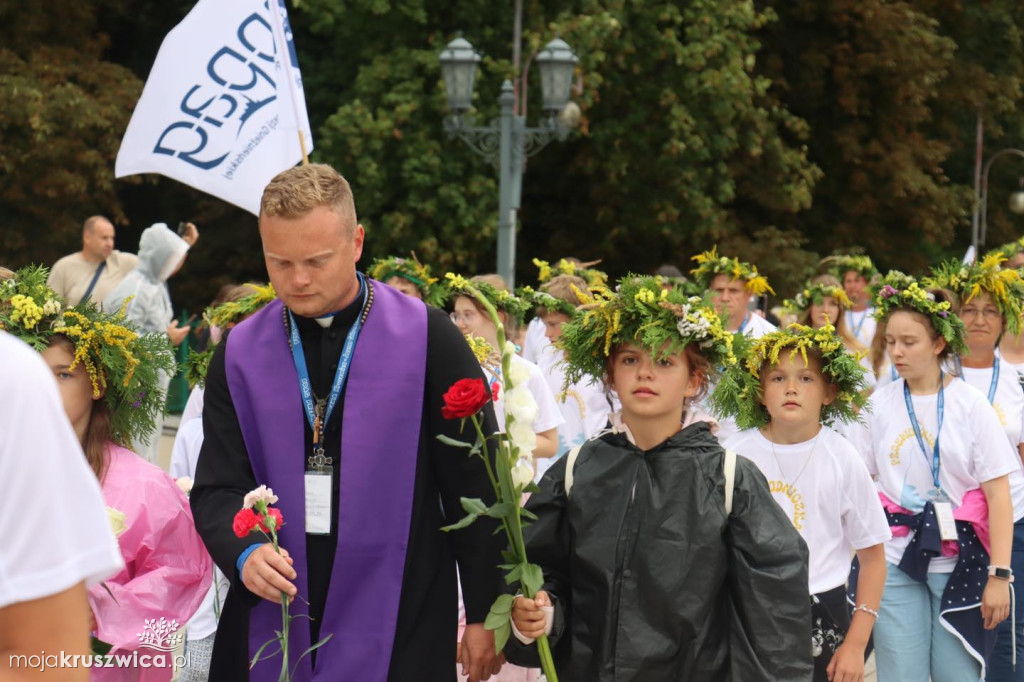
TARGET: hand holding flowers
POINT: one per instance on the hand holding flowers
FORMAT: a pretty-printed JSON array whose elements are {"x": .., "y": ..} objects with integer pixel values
[
  {"x": 255, "y": 515},
  {"x": 511, "y": 474}
]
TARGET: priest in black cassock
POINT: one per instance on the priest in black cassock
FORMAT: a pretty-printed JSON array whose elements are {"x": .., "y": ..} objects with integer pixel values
[{"x": 331, "y": 396}]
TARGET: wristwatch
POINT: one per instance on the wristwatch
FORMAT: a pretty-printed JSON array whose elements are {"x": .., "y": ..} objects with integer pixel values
[{"x": 1001, "y": 572}]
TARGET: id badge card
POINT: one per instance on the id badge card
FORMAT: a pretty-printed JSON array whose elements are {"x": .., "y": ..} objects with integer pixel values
[
  {"x": 947, "y": 524},
  {"x": 318, "y": 502}
]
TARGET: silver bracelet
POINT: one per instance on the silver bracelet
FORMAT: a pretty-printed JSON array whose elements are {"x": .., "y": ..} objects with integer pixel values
[{"x": 866, "y": 609}]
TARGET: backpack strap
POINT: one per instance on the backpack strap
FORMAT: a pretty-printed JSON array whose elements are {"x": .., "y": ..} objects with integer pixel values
[
  {"x": 570, "y": 462},
  {"x": 729, "y": 468}
]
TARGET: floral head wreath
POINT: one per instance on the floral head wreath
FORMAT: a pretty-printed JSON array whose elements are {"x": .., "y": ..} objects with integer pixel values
[
  {"x": 710, "y": 264},
  {"x": 231, "y": 312},
  {"x": 542, "y": 299},
  {"x": 843, "y": 263},
  {"x": 412, "y": 270},
  {"x": 813, "y": 294},
  {"x": 1011, "y": 249},
  {"x": 591, "y": 276},
  {"x": 123, "y": 365},
  {"x": 502, "y": 300},
  {"x": 663, "y": 321},
  {"x": 898, "y": 290},
  {"x": 967, "y": 281},
  {"x": 739, "y": 392}
]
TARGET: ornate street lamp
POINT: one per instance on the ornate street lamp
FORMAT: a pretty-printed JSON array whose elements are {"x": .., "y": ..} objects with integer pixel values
[
  {"x": 981, "y": 209},
  {"x": 507, "y": 140}
]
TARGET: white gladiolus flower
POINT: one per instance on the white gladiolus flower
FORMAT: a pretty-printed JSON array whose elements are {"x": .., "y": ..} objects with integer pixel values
[
  {"x": 261, "y": 493},
  {"x": 510, "y": 348},
  {"x": 518, "y": 373},
  {"x": 520, "y": 404},
  {"x": 522, "y": 436},
  {"x": 522, "y": 474}
]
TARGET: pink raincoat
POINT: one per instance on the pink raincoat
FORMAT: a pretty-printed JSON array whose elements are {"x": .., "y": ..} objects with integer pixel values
[{"x": 167, "y": 569}]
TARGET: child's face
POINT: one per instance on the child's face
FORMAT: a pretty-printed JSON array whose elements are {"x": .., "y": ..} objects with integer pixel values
[
  {"x": 913, "y": 351},
  {"x": 827, "y": 312},
  {"x": 651, "y": 388},
  {"x": 405, "y": 286},
  {"x": 75, "y": 385},
  {"x": 794, "y": 392},
  {"x": 471, "y": 322},
  {"x": 553, "y": 325}
]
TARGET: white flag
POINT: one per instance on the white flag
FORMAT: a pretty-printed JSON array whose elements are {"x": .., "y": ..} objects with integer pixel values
[{"x": 223, "y": 105}]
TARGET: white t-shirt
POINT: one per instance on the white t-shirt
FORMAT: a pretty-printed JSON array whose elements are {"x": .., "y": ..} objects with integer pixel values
[
  {"x": 57, "y": 533},
  {"x": 756, "y": 326},
  {"x": 862, "y": 324},
  {"x": 1009, "y": 407},
  {"x": 583, "y": 405},
  {"x": 548, "y": 414},
  {"x": 193, "y": 406},
  {"x": 973, "y": 450},
  {"x": 536, "y": 341},
  {"x": 184, "y": 456},
  {"x": 832, "y": 500}
]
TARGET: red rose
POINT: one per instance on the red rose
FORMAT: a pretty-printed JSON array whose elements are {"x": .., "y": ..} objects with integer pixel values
[
  {"x": 495, "y": 391},
  {"x": 245, "y": 522},
  {"x": 275, "y": 514},
  {"x": 465, "y": 397}
]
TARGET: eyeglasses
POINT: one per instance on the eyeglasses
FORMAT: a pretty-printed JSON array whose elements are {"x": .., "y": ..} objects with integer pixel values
[
  {"x": 988, "y": 312},
  {"x": 467, "y": 317}
]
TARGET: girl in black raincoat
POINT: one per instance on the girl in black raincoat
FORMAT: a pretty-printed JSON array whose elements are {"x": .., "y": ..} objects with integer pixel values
[{"x": 650, "y": 577}]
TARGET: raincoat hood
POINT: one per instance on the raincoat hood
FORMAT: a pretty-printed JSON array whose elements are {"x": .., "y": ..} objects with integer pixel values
[{"x": 161, "y": 250}]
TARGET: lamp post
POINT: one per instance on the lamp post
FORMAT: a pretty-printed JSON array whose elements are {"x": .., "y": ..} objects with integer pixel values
[
  {"x": 979, "y": 223},
  {"x": 507, "y": 140}
]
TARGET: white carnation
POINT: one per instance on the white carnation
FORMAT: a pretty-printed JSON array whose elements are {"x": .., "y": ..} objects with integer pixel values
[
  {"x": 520, "y": 404},
  {"x": 522, "y": 436},
  {"x": 260, "y": 494}
]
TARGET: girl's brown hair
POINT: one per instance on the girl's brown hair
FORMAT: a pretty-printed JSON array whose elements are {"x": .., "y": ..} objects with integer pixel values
[{"x": 842, "y": 330}]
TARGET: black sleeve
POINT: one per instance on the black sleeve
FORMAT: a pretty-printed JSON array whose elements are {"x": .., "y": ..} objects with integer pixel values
[
  {"x": 223, "y": 473},
  {"x": 477, "y": 548},
  {"x": 548, "y": 544},
  {"x": 767, "y": 577}
]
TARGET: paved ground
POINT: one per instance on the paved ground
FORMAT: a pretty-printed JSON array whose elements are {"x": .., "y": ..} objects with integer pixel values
[{"x": 164, "y": 460}]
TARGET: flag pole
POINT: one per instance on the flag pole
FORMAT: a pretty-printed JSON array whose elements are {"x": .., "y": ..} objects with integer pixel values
[{"x": 282, "y": 47}]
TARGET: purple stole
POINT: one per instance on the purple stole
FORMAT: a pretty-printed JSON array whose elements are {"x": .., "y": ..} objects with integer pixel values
[{"x": 383, "y": 410}]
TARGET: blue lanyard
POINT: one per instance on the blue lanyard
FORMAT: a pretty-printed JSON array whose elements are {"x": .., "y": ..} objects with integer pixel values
[
  {"x": 995, "y": 378},
  {"x": 743, "y": 324},
  {"x": 856, "y": 331},
  {"x": 917, "y": 427},
  {"x": 339, "y": 376}
]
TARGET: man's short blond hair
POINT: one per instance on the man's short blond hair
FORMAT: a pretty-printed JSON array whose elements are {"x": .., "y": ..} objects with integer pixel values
[{"x": 295, "y": 192}]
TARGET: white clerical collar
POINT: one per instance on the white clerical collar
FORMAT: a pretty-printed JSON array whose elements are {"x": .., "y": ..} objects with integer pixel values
[{"x": 325, "y": 321}]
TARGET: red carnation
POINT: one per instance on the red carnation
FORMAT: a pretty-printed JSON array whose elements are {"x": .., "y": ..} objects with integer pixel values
[
  {"x": 495, "y": 391},
  {"x": 245, "y": 522},
  {"x": 466, "y": 397},
  {"x": 275, "y": 514}
]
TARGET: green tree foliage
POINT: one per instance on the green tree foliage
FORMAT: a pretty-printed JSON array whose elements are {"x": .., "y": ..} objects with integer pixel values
[
  {"x": 64, "y": 111},
  {"x": 890, "y": 91},
  {"x": 779, "y": 130}
]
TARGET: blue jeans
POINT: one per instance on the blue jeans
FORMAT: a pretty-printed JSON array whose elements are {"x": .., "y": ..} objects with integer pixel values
[
  {"x": 1000, "y": 664},
  {"x": 911, "y": 645}
]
